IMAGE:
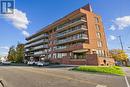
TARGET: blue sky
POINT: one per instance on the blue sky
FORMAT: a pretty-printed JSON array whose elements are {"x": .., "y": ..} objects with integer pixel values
[{"x": 38, "y": 13}]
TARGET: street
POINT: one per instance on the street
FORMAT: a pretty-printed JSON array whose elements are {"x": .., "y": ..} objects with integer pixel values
[{"x": 14, "y": 76}]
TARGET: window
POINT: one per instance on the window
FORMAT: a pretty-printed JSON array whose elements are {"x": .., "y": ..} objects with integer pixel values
[
  {"x": 99, "y": 43},
  {"x": 49, "y": 56},
  {"x": 54, "y": 55},
  {"x": 103, "y": 53},
  {"x": 96, "y": 20},
  {"x": 98, "y": 34},
  {"x": 97, "y": 27},
  {"x": 61, "y": 55},
  {"x": 100, "y": 53},
  {"x": 49, "y": 49}
]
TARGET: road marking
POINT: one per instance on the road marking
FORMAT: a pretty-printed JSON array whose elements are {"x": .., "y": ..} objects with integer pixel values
[
  {"x": 128, "y": 85},
  {"x": 101, "y": 85},
  {"x": 1, "y": 83}
]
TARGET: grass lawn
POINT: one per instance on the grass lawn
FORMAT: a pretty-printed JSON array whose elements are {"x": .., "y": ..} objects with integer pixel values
[{"x": 101, "y": 69}]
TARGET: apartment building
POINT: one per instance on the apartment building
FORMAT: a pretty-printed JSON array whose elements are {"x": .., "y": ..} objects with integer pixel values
[{"x": 78, "y": 38}]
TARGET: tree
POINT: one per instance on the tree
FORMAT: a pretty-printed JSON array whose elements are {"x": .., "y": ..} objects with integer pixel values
[
  {"x": 119, "y": 55},
  {"x": 12, "y": 54},
  {"x": 19, "y": 53},
  {"x": 16, "y": 54}
]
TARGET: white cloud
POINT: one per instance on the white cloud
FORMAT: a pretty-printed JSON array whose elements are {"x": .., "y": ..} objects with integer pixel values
[
  {"x": 25, "y": 33},
  {"x": 4, "y": 47},
  {"x": 112, "y": 37},
  {"x": 18, "y": 20},
  {"x": 4, "y": 50},
  {"x": 121, "y": 23},
  {"x": 112, "y": 27}
]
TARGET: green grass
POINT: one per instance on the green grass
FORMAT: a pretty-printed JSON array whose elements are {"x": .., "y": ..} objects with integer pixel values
[{"x": 101, "y": 69}]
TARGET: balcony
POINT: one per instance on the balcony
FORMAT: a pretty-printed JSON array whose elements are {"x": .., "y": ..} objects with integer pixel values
[
  {"x": 71, "y": 23},
  {"x": 72, "y": 31},
  {"x": 39, "y": 53},
  {"x": 70, "y": 48},
  {"x": 40, "y": 47},
  {"x": 38, "y": 37},
  {"x": 72, "y": 39},
  {"x": 37, "y": 43}
]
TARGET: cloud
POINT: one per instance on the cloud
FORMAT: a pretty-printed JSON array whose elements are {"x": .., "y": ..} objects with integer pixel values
[
  {"x": 25, "y": 33},
  {"x": 112, "y": 27},
  {"x": 4, "y": 50},
  {"x": 4, "y": 53},
  {"x": 120, "y": 23},
  {"x": 112, "y": 37},
  {"x": 18, "y": 20},
  {"x": 4, "y": 47}
]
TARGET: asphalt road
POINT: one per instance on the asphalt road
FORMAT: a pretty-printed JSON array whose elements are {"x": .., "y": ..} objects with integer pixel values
[{"x": 55, "y": 77}]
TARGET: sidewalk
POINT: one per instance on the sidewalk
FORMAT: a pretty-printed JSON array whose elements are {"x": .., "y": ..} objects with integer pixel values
[
  {"x": 126, "y": 70},
  {"x": 127, "y": 77}
]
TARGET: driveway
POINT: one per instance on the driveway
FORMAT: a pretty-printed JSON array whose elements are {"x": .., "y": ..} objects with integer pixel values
[{"x": 56, "y": 77}]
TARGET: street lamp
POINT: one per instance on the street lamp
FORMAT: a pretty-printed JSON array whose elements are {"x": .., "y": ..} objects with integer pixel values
[{"x": 121, "y": 42}]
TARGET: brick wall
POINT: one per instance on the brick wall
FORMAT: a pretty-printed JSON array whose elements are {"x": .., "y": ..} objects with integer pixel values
[{"x": 92, "y": 59}]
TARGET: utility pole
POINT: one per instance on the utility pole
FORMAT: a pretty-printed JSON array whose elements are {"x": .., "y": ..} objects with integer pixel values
[{"x": 121, "y": 42}]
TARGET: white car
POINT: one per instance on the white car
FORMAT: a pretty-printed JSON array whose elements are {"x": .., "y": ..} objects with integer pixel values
[
  {"x": 42, "y": 63},
  {"x": 31, "y": 63},
  {"x": 35, "y": 63},
  {"x": 6, "y": 62}
]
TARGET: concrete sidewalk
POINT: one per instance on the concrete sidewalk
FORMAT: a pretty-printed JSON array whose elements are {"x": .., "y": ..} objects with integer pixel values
[
  {"x": 127, "y": 77},
  {"x": 126, "y": 70}
]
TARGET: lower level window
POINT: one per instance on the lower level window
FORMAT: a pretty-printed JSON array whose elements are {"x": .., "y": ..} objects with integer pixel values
[{"x": 61, "y": 55}]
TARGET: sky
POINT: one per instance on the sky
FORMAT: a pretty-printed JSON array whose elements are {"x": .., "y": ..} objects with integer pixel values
[{"x": 32, "y": 15}]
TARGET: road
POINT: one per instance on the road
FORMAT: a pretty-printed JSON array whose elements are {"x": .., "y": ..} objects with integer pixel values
[{"x": 13, "y": 76}]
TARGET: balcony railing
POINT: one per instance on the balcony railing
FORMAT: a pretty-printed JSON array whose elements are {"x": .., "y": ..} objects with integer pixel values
[
  {"x": 40, "y": 47},
  {"x": 35, "y": 43},
  {"x": 39, "y": 53},
  {"x": 38, "y": 37},
  {"x": 71, "y": 23},
  {"x": 69, "y": 48},
  {"x": 67, "y": 32},
  {"x": 73, "y": 38}
]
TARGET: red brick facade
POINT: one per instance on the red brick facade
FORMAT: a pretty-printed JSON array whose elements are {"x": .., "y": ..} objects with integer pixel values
[{"x": 91, "y": 59}]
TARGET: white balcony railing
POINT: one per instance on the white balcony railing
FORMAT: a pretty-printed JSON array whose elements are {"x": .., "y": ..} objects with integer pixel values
[
  {"x": 40, "y": 47},
  {"x": 72, "y": 30},
  {"x": 39, "y": 53},
  {"x": 60, "y": 27},
  {"x": 72, "y": 38},
  {"x": 38, "y": 37},
  {"x": 38, "y": 42}
]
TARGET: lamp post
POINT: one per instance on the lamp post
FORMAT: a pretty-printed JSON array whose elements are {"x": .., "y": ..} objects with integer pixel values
[{"x": 121, "y": 42}]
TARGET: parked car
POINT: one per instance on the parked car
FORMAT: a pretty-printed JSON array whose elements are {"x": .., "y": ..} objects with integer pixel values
[
  {"x": 35, "y": 63},
  {"x": 42, "y": 63},
  {"x": 6, "y": 62},
  {"x": 31, "y": 63}
]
